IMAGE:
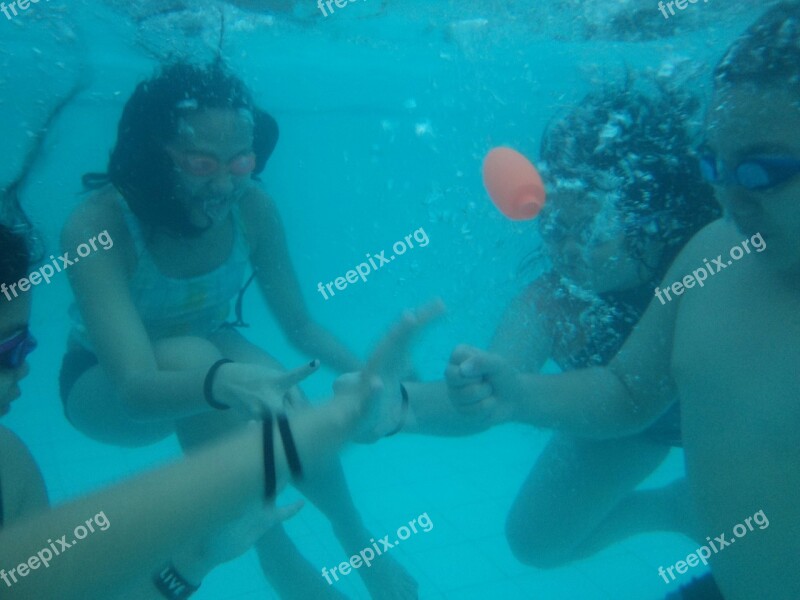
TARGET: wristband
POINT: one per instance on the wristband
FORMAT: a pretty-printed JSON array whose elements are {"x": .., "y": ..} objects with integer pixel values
[
  {"x": 172, "y": 586},
  {"x": 270, "y": 485},
  {"x": 404, "y": 412},
  {"x": 289, "y": 447},
  {"x": 208, "y": 384}
]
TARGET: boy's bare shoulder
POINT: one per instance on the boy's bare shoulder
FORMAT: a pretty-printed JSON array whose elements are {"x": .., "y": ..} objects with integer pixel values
[{"x": 715, "y": 238}]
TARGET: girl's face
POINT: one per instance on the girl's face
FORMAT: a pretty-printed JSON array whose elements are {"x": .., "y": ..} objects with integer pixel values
[
  {"x": 213, "y": 157},
  {"x": 584, "y": 235},
  {"x": 745, "y": 123},
  {"x": 14, "y": 317}
]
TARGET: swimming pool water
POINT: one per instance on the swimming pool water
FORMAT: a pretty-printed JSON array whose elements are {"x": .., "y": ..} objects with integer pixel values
[{"x": 384, "y": 120}]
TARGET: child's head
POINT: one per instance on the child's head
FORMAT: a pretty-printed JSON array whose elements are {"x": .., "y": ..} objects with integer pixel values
[
  {"x": 14, "y": 313},
  {"x": 188, "y": 141},
  {"x": 753, "y": 132},
  {"x": 624, "y": 190}
]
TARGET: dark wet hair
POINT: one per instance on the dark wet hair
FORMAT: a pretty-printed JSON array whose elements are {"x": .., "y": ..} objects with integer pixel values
[
  {"x": 768, "y": 53},
  {"x": 141, "y": 169},
  {"x": 15, "y": 254},
  {"x": 637, "y": 147}
]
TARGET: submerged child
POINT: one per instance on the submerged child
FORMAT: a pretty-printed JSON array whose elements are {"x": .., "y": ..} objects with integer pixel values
[
  {"x": 730, "y": 351},
  {"x": 150, "y": 351},
  {"x": 625, "y": 195}
]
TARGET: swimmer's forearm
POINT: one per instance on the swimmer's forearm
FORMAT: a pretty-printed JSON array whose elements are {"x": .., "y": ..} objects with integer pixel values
[
  {"x": 154, "y": 516},
  {"x": 431, "y": 412},
  {"x": 591, "y": 403}
]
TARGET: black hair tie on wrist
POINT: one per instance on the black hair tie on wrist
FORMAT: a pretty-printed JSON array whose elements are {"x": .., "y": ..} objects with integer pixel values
[
  {"x": 289, "y": 447},
  {"x": 208, "y": 384},
  {"x": 404, "y": 410},
  {"x": 270, "y": 485}
]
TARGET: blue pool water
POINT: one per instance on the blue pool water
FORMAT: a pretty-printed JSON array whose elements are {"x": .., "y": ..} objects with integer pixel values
[{"x": 385, "y": 116}]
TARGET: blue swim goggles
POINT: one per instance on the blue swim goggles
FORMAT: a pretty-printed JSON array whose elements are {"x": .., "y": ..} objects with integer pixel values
[
  {"x": 760, "y": 172},
  {"x": 14, "y": 350}
]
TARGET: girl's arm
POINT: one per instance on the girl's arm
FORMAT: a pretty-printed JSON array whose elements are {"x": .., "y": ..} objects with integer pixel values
[
  {"x": 280, "y": 288},
  {"x": 124, "y": 350},
  {"x": 164, "y": 381}
]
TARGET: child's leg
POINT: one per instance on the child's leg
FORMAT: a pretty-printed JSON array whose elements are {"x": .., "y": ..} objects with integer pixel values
[
  {"x": 385, "y": 578},
  {"x": 667, "y": 508},
  {"x": 573, "y": 489},
  {"x": 288, "y": 572}
]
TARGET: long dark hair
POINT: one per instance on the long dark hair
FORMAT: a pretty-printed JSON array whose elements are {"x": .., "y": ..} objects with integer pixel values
[{"x": 141, "y": 169}]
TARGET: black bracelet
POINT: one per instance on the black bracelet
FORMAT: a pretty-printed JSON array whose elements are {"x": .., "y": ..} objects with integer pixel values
[
  {"x": 270, "y": 482},
  {"x": 172, "y": 585},
  {"x": 208, "y": 384},
  {"x": 402, "y": 423},
  {"x": 289, "y": 447}
]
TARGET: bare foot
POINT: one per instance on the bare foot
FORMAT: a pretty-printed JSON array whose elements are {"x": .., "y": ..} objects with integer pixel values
[{"x": 387, "y": 579}]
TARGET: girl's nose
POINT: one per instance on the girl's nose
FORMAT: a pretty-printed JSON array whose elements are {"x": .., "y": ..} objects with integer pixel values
[{"x": 223, "y": 184}]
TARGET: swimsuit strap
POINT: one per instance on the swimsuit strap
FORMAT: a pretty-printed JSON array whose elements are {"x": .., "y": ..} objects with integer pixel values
[{"x": 134, "y": 227}]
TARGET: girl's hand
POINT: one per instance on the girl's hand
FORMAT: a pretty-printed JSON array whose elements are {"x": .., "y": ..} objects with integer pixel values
[
  {"x": 482, "y": 386},
  {"x": 374, "y": 393},
  {"x": 250, "y": 389}
]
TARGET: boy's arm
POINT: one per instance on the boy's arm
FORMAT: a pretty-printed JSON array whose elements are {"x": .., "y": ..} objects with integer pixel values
[
  {"x": 519, "y": 337},
  {"x": 620, "y": 399}
]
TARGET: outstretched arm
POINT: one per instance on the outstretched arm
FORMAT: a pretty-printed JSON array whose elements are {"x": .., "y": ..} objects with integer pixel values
[
  {"x": 620, "y": 399},
  {"x": 155, "y": 516}
]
